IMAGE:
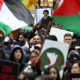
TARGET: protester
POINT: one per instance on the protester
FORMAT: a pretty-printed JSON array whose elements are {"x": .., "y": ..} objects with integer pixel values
[
  {"x": 52, "y": 72},
  {"x": 52, "y": 37},
  {"x": 23, "y": 40},
  {"x": 36, "y": 42},
  {"x": 17, "y": 56},
  {"x": 27, "y": 49},
  {"x": 34, "y": 61},
  {"x": 33, "y": 66},
  {"x": 68, "y": 38},
  {"x": 3, "y": 51},
  {"x": 73, "y": 68}
]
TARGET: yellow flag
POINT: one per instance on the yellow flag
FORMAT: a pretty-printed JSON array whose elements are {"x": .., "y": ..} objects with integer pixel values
[
  {"x": 47, "y": 3},
  {"x": 29, "y": 4}
]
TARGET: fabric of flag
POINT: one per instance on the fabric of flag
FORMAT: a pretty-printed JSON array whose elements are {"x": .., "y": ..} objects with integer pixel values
[
  {"x": 1, "y": 1},
  {"x": 47, "y": 3},
  {"x": 29, "y": 4},
  {"x": 13, "y": 15},
  {"x": 67, "y": 14}
]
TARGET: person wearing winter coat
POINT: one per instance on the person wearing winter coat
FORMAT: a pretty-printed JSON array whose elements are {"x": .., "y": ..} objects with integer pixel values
[{"x": 17, "y": 56}]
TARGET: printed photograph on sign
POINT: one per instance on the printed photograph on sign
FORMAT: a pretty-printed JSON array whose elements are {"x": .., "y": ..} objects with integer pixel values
[
  {"x": 53, "y": 53},
  {"x": 39, "y": 13},
  {"x": 59, "y": 33}
]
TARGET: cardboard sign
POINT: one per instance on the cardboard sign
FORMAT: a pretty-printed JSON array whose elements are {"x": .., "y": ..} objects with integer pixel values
[
  {"x": 59, "y": 33},
  {"x": 53, "y": 53},
  {"x": 8, "y": 70}
]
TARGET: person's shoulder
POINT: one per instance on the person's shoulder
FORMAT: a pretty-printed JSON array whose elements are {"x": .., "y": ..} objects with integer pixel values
[
  {"x": 49, "y": 17},
  {"x": 42, "y": 18}
]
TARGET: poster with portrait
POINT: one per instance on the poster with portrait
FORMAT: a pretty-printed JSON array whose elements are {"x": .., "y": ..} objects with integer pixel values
[{"x": 39, "y": 13}]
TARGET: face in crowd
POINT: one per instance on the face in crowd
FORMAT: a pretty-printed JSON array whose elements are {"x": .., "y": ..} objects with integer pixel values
[
  {"x": 17, "y": 54},
  {"x": 37, "y": 39},
  {"x": 21, "y": 38},
  {"x": 75, "y": 68},
  {"x": 53, "y": 73},
  {"x": 68, "y": 38},
  {"x": 34, "y": 56}
]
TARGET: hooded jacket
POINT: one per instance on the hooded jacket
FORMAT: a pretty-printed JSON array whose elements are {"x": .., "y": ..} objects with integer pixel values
[
  {"x": 22, "y": 64},
  {"x": 14, "y": 48}
]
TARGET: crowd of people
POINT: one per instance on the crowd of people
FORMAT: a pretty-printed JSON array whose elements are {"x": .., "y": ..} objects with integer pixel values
[{"x": 26, "y": 51}]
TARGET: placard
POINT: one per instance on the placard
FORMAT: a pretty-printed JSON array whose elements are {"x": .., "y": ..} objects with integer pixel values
[
  {"x": 59, "y": 33},
  {"x": 53, "y": 53},
  {"x": 8, "y": 70},
  {"x": 39, "y": 13}
]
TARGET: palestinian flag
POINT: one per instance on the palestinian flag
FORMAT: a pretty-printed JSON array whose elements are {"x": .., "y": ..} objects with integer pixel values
[
  {"x": 67, "y": 14},
  {"x": 13, "y": 15}
]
